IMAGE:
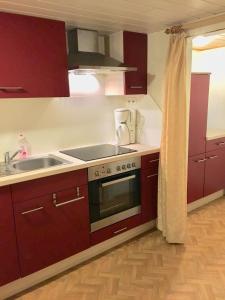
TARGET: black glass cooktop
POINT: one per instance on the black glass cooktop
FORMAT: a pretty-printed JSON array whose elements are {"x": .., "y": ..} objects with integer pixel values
[{"x": 96, "y": 152}]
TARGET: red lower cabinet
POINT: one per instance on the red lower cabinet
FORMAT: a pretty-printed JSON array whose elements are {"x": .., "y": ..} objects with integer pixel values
[
  {"x": 149, "y": 186},
  {"x": 206, "y": 174},
  {"x": 51, "y": 228},
  {"x": 115, "y": 229},
  {"x": 52, "y": 223},
  {"x": 214, "y": 171},
  {"x": 149, "y": 195},
  {"x": 9, "y": 267},
  {"x": 196, "y": 177}
]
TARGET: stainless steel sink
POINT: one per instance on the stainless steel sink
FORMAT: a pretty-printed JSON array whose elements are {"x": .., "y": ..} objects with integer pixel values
[{"x": 31, "y": 164}]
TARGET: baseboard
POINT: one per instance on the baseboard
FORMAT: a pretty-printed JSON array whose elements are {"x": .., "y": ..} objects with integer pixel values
[
  {"x": 203, "y": 201},
  {"x": 22, "y": 284}
]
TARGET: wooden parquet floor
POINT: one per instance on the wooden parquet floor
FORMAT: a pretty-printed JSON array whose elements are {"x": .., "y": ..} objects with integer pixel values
[{"x": 147, "y": 268}]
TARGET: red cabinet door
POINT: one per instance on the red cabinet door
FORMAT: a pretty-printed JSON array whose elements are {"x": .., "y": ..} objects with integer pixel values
[
  {"x": 9, "y": 267},
  {"x": 51, "y": 228},
  {"x": 149, "y": 195},
  {"x": 198, "y": 113},
  {"x": 135, "y": 55},
  {"x": 196, "y": 177},
  {"x": 33, "y": 57},
  {"x": 214, "y": 171}
]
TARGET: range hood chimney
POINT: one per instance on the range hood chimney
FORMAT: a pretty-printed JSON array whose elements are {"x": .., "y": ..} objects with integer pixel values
[{"x": 89, "y": 54}]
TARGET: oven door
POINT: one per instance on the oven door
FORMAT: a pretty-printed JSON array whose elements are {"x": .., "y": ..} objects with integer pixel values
[{"x": 114, "y": 198}]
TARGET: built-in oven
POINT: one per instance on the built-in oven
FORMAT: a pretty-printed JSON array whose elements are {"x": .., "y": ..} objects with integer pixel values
[{"x": 114, "y": 192}]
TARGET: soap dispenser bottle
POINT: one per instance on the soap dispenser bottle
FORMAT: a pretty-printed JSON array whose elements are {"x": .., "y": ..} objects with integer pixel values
[{"x": 24, "y": 146}]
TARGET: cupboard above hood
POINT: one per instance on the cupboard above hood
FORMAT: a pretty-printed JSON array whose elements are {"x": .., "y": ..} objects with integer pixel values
[{"x": 89, "y": 53}]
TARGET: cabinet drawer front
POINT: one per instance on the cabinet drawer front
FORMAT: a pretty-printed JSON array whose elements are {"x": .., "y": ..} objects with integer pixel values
[
  {"x": 150, "y": 162},
  {"x": 215, "y": 144},
  {"x": 56, "y": 199},
  {"x": 47, "y": 233},
  {"x": 115, "y": 229},
  {"x": 47, "y": 185}
]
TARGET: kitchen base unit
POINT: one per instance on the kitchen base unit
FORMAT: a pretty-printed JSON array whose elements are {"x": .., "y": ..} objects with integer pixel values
[
  {"x": 53, "y": 227},
  {"x": 206, "y": 174}
]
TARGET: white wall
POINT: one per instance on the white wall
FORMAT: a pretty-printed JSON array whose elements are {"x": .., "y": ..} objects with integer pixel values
[
  {"x": 149, "y": 120},
  {"x": 158, "y": 45},
  {"x": 213, "y": 61},
  {"x": 51, "y": 124}
]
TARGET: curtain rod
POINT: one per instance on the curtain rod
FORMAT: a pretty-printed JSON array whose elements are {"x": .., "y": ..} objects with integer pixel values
[
  {"x": 179, "y": 28},
  {"x": 211, "y": 31},
  {"x": 201, "y": 23}
]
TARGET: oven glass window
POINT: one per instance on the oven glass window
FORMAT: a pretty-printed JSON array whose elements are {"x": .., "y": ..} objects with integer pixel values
[{"x": 118, "y": 195}]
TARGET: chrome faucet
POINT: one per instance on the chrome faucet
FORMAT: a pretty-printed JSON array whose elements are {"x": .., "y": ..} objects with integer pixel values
[{"x": 8, "y": 158}]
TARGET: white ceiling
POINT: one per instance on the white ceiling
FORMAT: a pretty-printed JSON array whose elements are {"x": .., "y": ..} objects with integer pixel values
[{"x": 114, "y": 15}]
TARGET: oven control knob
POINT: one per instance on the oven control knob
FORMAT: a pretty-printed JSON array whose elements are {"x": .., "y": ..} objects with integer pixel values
[
  {"x": 118, "y": 168},
  {"x": 123, "y": 167},
  {"x": 128, "y": 166},
  {"x": 108, "y": 171},
  {"x": 97, "y": 173},
  {"x": 133, "y": 165}
]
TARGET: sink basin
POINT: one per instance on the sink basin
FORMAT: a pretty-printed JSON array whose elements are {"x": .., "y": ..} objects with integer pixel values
[{"x": 31, "y": 164}]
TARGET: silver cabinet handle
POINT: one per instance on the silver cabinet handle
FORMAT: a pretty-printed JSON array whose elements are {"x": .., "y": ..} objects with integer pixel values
[
  {"x": 66, "y": 202},
  {"x": 213, "y": 157},
  {"x": 11, "y": 88},
  {"x": 136, "y": 87},
  {"x": 149, "y": 176},
  {"x": 221, "y": 143},
  {"x": 118, "y": 180},
  {"x": 32, "y": 210},
  {"x": 120, "y": 230},
  {"x": 201, "y": 160},
  {"x": 150, "y": 161}
]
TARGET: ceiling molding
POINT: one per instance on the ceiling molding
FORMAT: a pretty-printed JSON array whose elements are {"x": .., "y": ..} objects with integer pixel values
[{"x": 133, "y": 15}]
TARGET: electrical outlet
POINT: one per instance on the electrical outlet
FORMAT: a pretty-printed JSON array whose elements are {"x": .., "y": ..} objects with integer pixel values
[{"x": 131, "y": 101}]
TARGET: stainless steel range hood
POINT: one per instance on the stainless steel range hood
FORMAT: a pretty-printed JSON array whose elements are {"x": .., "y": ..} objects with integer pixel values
[{"x": 89, "y": 54}]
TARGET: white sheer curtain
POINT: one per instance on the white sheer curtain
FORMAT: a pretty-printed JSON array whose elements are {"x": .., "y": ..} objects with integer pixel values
[{"x": 172, "y": 200}]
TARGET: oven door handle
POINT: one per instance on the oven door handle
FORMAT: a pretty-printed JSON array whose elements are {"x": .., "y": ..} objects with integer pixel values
[{"x": 118, "y": 180}]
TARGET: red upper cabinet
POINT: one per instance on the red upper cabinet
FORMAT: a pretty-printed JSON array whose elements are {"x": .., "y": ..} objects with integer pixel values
[
  {"x": 9, "y": 267},
  {"x": 135, "y": 47},
  {"x": 33, "y": 57},
  {"x": 198, "y": 113}
]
